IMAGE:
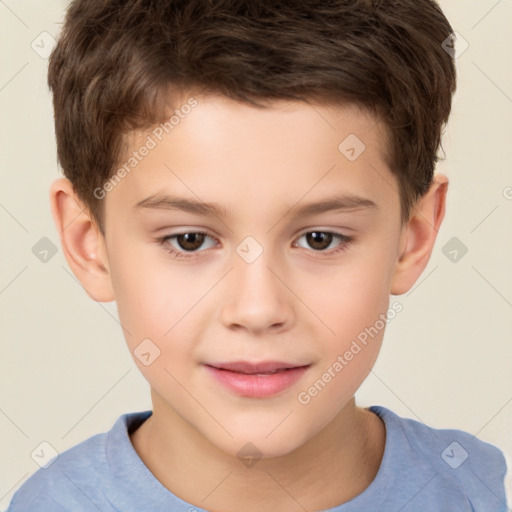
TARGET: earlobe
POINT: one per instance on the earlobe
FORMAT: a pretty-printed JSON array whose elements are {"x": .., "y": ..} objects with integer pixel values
[
  {"x": 82, "y": 243},
  {"x": 418, "y": 238}
]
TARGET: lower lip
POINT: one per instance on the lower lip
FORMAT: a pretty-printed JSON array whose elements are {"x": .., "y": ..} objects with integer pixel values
[{"x": 257, "y": 386}]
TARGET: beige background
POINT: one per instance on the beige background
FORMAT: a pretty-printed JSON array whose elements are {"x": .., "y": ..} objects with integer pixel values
[{"x": 65, "y": 371}]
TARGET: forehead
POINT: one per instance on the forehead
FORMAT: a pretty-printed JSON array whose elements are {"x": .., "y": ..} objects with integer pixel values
[{"x": 228, "y": 152}]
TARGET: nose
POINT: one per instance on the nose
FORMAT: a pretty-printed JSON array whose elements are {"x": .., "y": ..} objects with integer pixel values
[{"x": 258, "y": 299}]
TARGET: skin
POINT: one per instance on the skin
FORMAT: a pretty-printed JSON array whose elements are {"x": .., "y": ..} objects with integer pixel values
[{"x": 293, "y": 303}]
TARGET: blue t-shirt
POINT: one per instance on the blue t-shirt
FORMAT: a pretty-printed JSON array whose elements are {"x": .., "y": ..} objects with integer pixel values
[{"x": 422, "y": 469}]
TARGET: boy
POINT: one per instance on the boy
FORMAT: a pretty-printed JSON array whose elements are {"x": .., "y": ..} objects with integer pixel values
[{"x": 263, "y": 130}]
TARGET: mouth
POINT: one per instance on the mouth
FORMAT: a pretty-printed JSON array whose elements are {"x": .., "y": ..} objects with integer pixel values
[
  {"x": 262, "y": 368},
  {"x": 256, "y": 380}
]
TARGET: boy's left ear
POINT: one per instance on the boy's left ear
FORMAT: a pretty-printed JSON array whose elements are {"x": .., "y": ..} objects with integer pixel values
[{"x": 419, "y": 235}]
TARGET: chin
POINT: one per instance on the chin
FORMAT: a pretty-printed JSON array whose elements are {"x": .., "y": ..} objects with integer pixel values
[{"x": 260, "y": 445}]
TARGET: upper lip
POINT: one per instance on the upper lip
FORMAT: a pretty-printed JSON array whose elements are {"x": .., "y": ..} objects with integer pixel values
[{"x": 261, "y": 367}]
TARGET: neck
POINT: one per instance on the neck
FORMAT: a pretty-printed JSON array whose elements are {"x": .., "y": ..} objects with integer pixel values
[{"x": 332, "y": 467}]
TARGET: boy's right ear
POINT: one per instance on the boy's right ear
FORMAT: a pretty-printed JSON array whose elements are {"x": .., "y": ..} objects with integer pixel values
[{"x": 82, "y": 242}]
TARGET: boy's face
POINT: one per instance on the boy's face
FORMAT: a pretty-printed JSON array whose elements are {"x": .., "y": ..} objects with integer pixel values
[{"x": 260, "y": 286}]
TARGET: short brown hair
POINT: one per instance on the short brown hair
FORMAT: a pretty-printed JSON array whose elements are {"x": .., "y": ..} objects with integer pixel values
[{"x": 117, "y": 60}]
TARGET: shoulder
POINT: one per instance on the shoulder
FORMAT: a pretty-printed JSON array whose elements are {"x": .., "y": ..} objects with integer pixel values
[
  {"x": 74, "y": 478},
  {"x": 75, "y": 470},
  {"x": 459, "y": 464}
]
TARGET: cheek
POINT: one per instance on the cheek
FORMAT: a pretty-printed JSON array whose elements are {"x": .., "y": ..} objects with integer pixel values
[
  {"x": 349, "y": 297},
  {"x": 352, "y": 303},
  {"x": 355, "y": 312},
  {"x": 152, "y": 296},
  {"x": 336, "y": 381},
  {"x": 155, "y": 310}
]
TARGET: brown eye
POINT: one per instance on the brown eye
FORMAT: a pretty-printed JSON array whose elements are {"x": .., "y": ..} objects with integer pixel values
[
  {"x": 319, "y": 240},
  {"x": 187, "y": 244},
  {"x": 190, "y": 241}
]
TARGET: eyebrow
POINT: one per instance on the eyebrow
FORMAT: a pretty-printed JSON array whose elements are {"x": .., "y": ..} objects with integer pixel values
[{"x": 344, "y": 202}]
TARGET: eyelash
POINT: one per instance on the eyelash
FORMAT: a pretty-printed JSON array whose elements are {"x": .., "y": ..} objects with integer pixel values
[{"x": 345, "y": 241}]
